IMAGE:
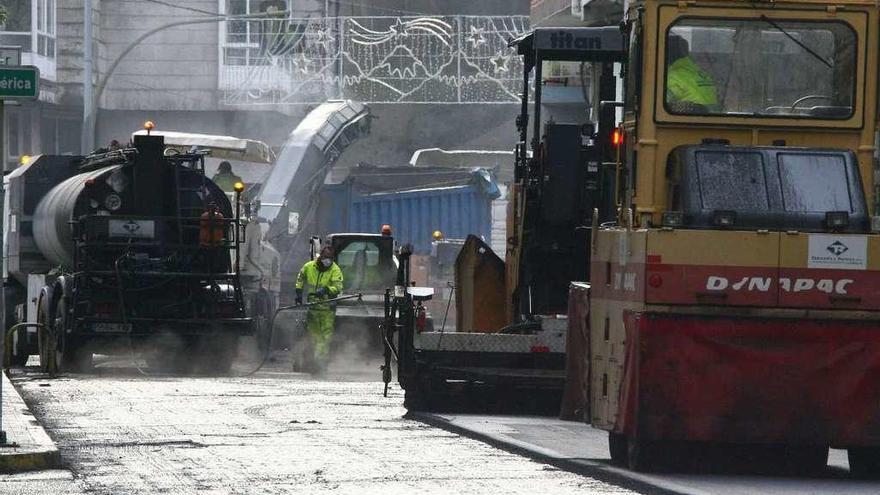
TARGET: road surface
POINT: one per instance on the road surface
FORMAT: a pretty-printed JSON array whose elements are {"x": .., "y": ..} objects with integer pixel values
[{"x": 277, "y": 432}]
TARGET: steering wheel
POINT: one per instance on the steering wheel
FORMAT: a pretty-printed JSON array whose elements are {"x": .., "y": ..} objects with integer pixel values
[{"x": 808, "y": 97}]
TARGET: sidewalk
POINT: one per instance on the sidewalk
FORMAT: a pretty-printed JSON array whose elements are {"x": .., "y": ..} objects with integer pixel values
[
  {"x": 580, "y": 448},
  {"x": 568, "y": 445},
  {"x": 28, "y": 446}
]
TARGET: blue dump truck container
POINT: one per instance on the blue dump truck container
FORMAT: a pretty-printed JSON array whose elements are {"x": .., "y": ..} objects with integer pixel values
[{"x": 415, "y": 201}]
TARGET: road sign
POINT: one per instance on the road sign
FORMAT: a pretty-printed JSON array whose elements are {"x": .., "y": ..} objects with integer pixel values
[
  {"x": 19, "y": 83},
  {"x": 10, "y": 55}
]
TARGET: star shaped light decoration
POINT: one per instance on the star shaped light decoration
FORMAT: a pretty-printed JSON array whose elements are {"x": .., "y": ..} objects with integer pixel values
[
  {"x": 302, "y": 63},
  {"x": 323, "y": 37},
  {"x": 399, "y": 28},
  {"x": 500, "y": 63},
  {"x": 477, "y": 36}
]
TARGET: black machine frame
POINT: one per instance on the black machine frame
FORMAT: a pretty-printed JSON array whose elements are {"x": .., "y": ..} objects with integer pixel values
[
  {"x": 132, "y": 277},
  {"x": 561, "y": 182},
  {"x": 509, "y": 381}
]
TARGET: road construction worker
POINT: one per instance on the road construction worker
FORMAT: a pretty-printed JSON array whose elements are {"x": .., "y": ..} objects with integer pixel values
[
  {"x": 689, "y": 89},
  {"x": 321, "y": 280},
  {"x": 224, "y": 177}
]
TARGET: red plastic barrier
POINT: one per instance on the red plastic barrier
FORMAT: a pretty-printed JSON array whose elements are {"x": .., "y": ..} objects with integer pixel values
[{"x": 744, "y": 380}]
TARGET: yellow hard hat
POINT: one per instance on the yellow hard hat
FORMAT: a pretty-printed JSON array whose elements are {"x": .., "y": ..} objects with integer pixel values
[{"x": 437, "y": 235}]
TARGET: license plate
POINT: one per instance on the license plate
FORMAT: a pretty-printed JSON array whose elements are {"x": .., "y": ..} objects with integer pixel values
[
  {"x": 109, "y": 328},
  {"x": 143, "y": 229}
]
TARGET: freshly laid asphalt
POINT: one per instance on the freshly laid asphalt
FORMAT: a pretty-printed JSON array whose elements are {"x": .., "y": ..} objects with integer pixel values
[
  {"x": 120, "y": 431},
  {"x": 276, "y": 432}
]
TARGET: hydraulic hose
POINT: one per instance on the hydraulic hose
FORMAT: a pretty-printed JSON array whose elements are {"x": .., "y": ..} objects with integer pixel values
[{"x": 291, "y": 308}]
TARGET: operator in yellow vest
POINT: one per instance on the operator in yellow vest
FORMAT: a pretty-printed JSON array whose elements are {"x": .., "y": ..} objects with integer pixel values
[
  {"x": 689, "y": 89},
  {"x": 320, "y": 280},
  {"x": 225, "y": 178}
]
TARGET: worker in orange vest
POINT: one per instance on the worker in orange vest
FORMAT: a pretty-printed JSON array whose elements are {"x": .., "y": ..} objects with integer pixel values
[{"x": 211, "y": 228}]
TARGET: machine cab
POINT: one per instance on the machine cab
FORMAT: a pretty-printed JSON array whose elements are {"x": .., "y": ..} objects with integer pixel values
[
  {"x": 367, "y": 261},
  {"x": 788, "y": 75}
]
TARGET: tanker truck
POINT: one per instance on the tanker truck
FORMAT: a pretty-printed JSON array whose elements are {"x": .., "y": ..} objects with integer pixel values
[{"x": 130, "y": 250}]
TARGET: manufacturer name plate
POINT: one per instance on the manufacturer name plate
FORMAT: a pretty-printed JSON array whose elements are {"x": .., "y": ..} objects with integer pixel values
[
  {"x": 142, "y": 229},
  {"x": 838, "y": 252}
]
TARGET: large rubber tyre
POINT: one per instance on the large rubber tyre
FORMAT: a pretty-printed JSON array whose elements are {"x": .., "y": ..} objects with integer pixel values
[
  {"x": 416, "y": 400},
  {"x": 71, "y": 354},
  {"x": 262, "y": 309},
  {"x": 641, "y": 455},
  {"x": 864, "y": 462},
  {"x": 45, "y": 340},
  {"x": 618, "y": 449},
  {"x": 424, "y": 395}
]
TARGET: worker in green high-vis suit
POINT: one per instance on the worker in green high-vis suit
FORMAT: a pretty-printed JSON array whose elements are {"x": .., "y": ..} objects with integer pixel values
[
  {"x": 225, "y": 178},
  {"x": 689, "y": 88},
  {"x": 320, "y": 280}
]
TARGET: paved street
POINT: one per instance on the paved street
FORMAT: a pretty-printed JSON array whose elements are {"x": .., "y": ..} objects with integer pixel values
[
  {"x": 120, "y": 431},
  {"x": 277, "y": 432},
  {"x": 581, "y": 448}
]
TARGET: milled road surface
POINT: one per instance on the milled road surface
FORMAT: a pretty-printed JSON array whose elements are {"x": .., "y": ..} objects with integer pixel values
[{"x": 123, "y": 433}]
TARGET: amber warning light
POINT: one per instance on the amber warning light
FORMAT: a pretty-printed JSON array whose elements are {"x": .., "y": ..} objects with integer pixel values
[{"x": 617, "y": 137}]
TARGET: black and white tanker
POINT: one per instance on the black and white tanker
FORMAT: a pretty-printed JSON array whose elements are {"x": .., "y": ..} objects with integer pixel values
[{"x": 129, "y": 250}]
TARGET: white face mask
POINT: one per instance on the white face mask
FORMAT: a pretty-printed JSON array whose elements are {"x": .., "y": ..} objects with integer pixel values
[{"x": 326, "y": 262}]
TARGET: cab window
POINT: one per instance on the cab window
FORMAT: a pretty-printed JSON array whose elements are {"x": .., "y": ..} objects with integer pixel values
[
  {"x": 363, "y": 266},
  {"x": 760, "y": 67},
  {"x": 814, "y": 183}
]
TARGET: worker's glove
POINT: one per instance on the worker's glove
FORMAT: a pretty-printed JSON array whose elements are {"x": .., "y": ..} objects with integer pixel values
[
  {"x": 299, "y": 297},
  {"x": 321, "y": 292}
]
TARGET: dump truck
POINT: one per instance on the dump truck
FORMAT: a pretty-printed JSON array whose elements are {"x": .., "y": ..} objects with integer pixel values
[
  {"x": 733, "y": 300},
  {"x": 507, "y": 351},
  {"x": 124, "y": 250}
]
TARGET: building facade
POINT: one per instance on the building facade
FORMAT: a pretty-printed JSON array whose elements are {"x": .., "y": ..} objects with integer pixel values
[
  {"x": 44, "y": 124},
  {"x": 181, "y": 76}
]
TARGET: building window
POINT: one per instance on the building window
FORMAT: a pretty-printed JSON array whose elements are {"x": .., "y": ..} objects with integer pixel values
[
  {"x": 242, "y": 38},
  {"x": 18, "y": 135},
  {"x": 16, "y": 31},
  {"x": 30, "y": 24},
  {"x": 45, "y": 27}
]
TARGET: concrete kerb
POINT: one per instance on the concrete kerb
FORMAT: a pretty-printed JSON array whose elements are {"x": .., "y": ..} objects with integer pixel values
[
  {"x": 29, "y": 447},
  {"x": 585, "y": 467}
]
